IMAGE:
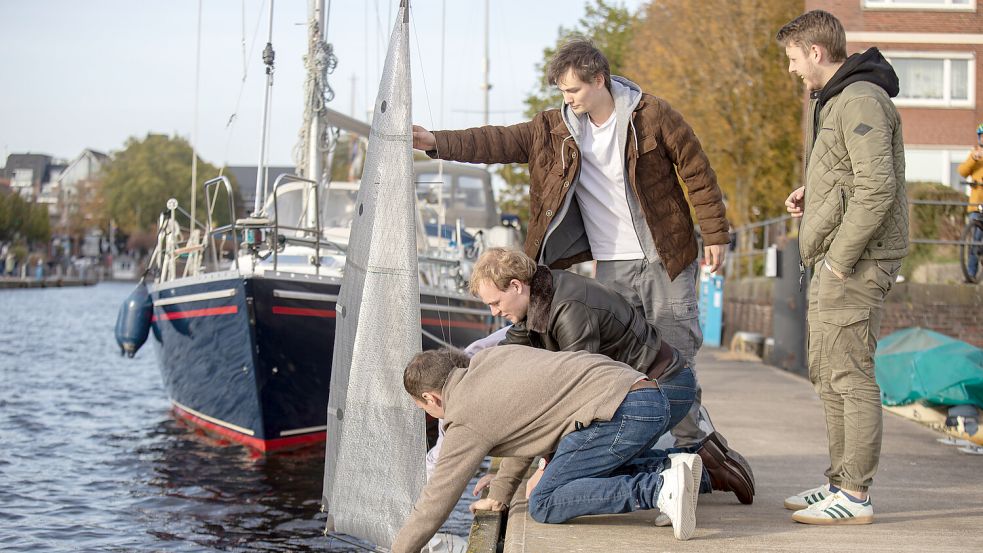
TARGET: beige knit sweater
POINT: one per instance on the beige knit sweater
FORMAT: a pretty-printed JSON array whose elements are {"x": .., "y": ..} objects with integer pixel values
[{"x": 517, "y": 402}]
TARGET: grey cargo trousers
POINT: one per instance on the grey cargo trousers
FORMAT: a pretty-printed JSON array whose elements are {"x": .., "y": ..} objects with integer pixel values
[{"x": 670, "y": 306}]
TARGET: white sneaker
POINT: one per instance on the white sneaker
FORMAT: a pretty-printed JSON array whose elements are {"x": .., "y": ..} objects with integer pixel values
[
  {"x": 804, "y": 499},
  {"x": 689, "y": 460},
  {"x": 677, "y": 459},
  {"x": 836, "y": 509},
  {"x": 677, "y": 498}
]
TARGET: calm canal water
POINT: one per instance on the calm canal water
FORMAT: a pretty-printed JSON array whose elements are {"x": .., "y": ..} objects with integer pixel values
[{"x": 92, "y": 460}]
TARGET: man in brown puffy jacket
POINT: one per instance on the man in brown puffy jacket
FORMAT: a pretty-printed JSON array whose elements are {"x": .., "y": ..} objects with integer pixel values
[{"x": 603, "y": 185}]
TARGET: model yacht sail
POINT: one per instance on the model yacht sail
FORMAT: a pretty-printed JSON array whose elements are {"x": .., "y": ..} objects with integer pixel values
[{"x": 376, "y": 438}]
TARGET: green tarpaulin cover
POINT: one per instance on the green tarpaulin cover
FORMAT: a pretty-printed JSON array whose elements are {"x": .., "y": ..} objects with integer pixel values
[{"x": 916, "y": 364}]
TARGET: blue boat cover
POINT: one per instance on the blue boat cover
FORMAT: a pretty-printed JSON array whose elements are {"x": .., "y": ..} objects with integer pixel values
[{"x": 916, "y": 364}]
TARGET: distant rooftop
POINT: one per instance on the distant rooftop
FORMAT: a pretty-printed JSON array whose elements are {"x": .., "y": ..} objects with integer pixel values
[{"x": 37, "y": 163}]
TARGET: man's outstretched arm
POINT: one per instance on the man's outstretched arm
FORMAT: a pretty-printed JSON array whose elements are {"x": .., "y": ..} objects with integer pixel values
[
  {"x": 460, "y": 457},
  {"x": 489, "y": 144},
  {"x": 423, "y": 139}
]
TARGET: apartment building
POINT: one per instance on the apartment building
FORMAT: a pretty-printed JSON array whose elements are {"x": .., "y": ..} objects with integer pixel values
[{"x": 936, "y": 47}]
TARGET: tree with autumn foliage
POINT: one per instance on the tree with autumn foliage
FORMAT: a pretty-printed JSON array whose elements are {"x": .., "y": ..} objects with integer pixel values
[{"x": 718, "y": 64}]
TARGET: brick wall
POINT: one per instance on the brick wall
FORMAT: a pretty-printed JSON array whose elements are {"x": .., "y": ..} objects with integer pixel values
[
  {"x": 955, "y": 310},
  {"x": 747, "y": 307},
  {"x": 855, "y": 17}
]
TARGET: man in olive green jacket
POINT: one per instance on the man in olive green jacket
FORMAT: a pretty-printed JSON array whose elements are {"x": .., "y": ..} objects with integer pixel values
[{"x": 854, "y": 234}]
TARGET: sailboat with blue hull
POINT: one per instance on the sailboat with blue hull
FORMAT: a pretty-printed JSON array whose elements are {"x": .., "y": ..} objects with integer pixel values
[
  {"x": 247, "y": 357},
  {"x": 243, "y": 316}
]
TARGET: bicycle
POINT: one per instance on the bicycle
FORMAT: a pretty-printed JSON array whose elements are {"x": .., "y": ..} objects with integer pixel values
[{"x": 971, "y": 247}]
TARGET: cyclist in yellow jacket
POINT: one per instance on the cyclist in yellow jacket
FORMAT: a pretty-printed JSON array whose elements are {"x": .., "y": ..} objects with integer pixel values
[{"x": 972, "y": 168}]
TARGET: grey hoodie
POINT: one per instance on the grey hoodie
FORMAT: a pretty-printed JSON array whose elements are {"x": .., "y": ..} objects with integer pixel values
[{"x": 626, "y": 96}]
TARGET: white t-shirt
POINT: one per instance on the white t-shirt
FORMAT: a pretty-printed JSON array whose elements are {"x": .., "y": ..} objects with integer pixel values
[{"x": 601, "y": 195}]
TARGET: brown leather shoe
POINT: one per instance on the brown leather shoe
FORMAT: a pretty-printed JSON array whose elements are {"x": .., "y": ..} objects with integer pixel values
[{"x": 729, "y": 470}]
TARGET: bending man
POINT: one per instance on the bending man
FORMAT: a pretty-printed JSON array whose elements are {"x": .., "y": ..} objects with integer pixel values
[
  {"x": 592, "y": 414},
  {"x": 564, "y": 311}
]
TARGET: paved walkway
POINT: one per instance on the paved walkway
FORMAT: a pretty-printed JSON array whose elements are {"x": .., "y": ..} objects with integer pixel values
[{"x": 927, "y": 497}]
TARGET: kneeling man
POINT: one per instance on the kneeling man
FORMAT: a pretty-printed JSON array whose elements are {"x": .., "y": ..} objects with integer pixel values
[{"x": 591, "y": 414}]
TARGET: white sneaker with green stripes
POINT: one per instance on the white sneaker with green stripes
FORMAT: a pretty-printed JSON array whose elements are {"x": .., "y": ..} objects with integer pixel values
[
  {"x": 836, "y": 509},
  {"x": 804, "y": 499}
]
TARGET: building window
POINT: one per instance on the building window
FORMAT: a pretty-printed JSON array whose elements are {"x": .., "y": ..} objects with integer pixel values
[
  {"x": 961, "y": 5},
  {"x": 937, "y": 165},
  {"x": 23, "y": 178},
  {"x": 935, "y": 79}
]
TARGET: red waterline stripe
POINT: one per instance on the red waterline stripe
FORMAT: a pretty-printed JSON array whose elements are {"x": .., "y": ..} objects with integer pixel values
[
  {"x": 330, "y": 314},
  {"x": 303, "y": 312},
  {"x": 206, "y": 312},
  {"x": 249, "y": 441},
  {"x": 459, "y": 324}
]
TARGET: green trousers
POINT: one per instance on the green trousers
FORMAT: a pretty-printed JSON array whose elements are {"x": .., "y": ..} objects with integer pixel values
[{"x": 844, "y": 322}]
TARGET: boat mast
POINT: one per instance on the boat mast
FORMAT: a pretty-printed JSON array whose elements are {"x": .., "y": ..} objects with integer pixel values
[
  {"x": 486, "y": 86},
  {"x": 315, "y": 167},
  {"x": 268, "y": 56},
  {"x": 194, "y": 130}
]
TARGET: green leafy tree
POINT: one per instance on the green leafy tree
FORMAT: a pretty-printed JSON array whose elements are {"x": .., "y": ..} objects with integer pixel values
[
  {"x": 140, "y": 179},
  {"x": 341, "y": 158},
  {"x": 514, "y": 198},
  {"x": 610, "y": 25},
  {"x": 23, "y": 221}
]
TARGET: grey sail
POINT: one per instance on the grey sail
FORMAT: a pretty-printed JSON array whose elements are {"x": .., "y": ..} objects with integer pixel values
[{"x": 375, "y": 451}]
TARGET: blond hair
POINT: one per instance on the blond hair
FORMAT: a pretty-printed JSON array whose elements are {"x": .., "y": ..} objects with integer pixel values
[
  {"x": 499, "y": 266},
  {"x": 817, "y": 27}
]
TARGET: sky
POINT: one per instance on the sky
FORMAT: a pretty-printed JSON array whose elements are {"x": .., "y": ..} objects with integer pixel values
[{"x": 92, "y": 74}]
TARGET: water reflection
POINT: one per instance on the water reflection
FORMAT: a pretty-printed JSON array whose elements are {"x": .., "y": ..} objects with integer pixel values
[
  {"x": 225, "y": 497},
  {"x": 93, "y": 460}
]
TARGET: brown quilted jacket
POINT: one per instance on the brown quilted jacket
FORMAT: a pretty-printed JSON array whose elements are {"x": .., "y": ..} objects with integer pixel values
[{"x": 660, "y": 144}]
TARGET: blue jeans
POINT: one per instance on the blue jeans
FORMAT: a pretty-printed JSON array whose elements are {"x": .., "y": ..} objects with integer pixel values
[
  {"x": 973, "y": 258},
  {"x": 678, "y": 391},
  {"x": 671, "y": 306},
  {"x": 592, "y": 471}
]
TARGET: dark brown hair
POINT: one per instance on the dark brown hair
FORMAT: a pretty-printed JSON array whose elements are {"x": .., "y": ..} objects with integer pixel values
[
  {"x": 428, "y": 370},
  {"x": 817, "y": 27},
  {"x": 579, "y": 54}
]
